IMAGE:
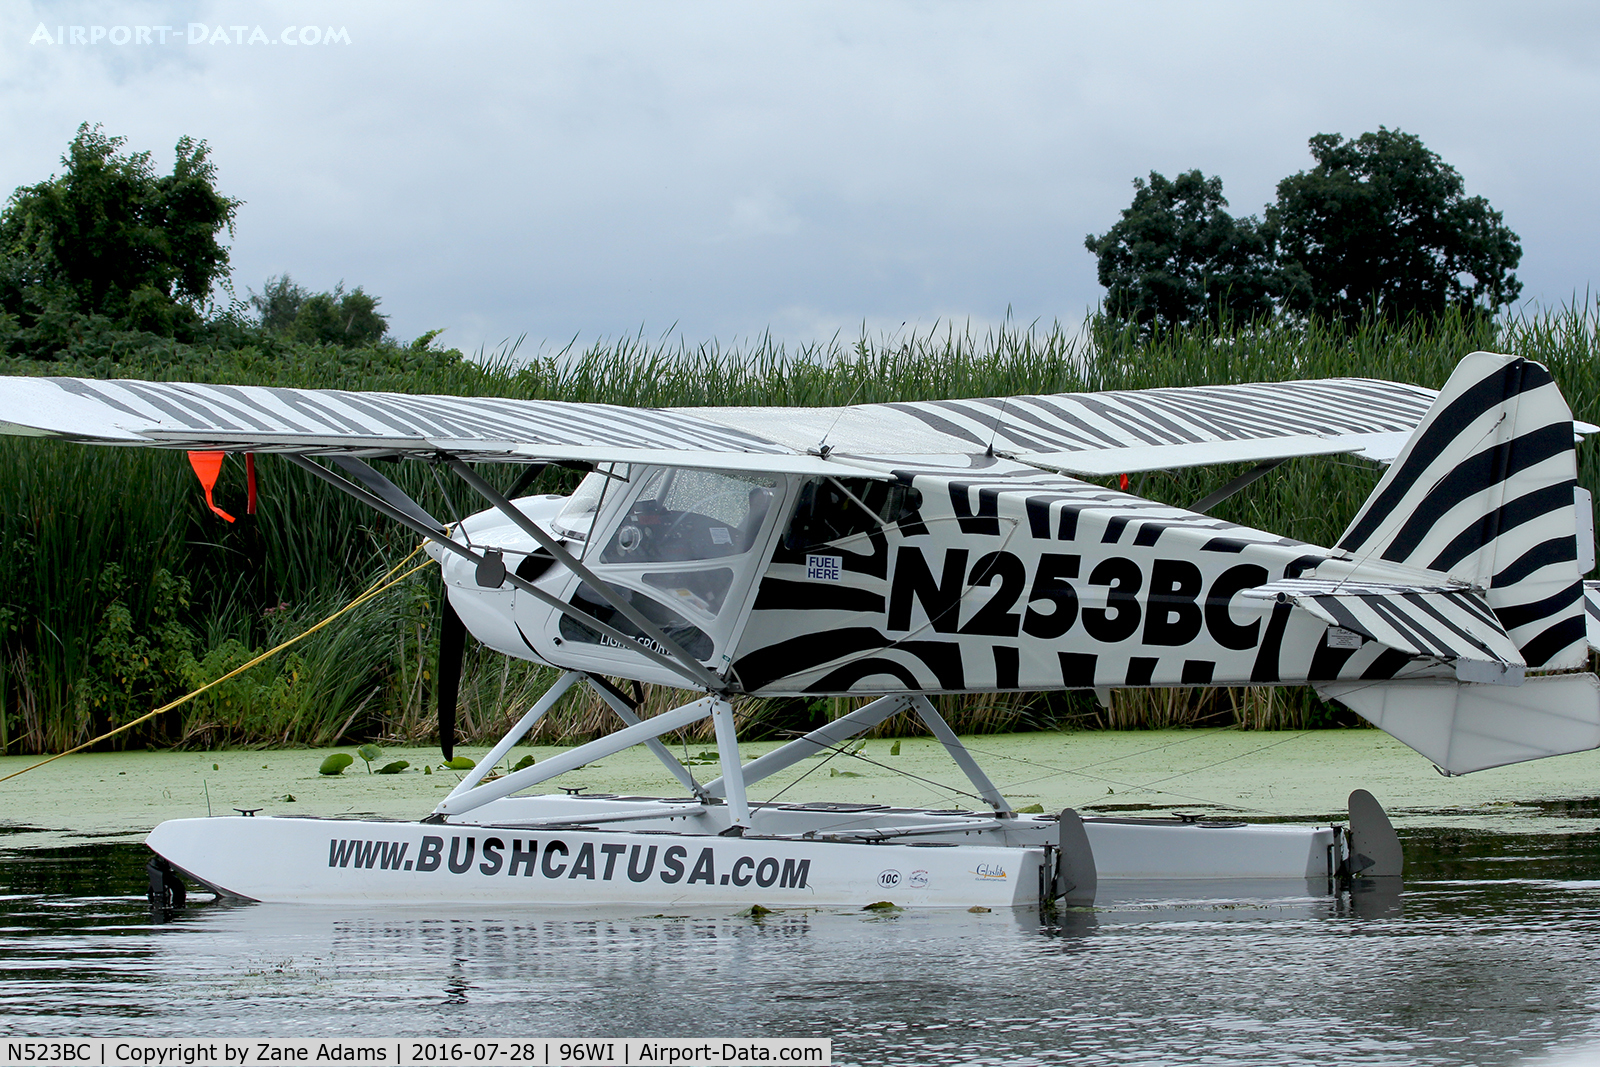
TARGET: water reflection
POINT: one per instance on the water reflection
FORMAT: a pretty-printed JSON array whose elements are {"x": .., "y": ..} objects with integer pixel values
[
  {"x": 1375, "y": 898},
  {"x": 1479, "y": 958}
]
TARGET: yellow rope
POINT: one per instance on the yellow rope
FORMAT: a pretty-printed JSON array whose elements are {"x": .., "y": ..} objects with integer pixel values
[{"x": 386, "y": 582}]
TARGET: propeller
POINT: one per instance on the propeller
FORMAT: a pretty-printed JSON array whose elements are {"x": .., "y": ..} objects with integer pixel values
[
  {"x": 452, "y": 631},
  {"x": 452, "y": 643}
]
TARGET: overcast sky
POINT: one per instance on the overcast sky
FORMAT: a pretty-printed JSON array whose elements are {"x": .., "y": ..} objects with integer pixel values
[{"x": 720, "y": 169}]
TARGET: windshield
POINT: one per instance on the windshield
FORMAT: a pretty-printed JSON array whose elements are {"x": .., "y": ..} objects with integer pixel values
[
  {"x": 576, "y": 518},
  {"x": 692, "y": 514}
]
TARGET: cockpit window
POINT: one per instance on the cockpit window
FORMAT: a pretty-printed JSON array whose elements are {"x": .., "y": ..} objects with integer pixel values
[
  {"x": 683, "y": 514},
  {"x": 577, "y": 517},
  {"x": 834, "y": 509}
]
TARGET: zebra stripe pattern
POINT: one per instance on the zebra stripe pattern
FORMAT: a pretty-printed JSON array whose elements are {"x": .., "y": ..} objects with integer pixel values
[
  {"x": 1591, "y": 613},
  {"x": 1443, "y": 623},
  {"x": 806, "y": 636},
  {"x": 1084, "y": 422},
  {"x": 322, "y": 420},
  {"x": 1484, "y": 493},
  {"x": 319, "y": 421},
  {"x": 1078, "y": 421}
]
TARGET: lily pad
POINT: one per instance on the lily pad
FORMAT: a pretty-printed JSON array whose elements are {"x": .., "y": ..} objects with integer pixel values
[
  {"x": 524, "y": 762},
  {"x": 461, "y": 763},
  {"x": 394, "y": 768},
  {"x": 336, "y": 763},
  {"x": 882, "y": 905}
]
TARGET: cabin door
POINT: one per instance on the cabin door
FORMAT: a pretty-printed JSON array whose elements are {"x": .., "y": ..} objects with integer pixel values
[{"x": 685, "y": 547}]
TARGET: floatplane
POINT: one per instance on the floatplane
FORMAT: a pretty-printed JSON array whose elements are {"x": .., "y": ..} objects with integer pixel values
[{"x": 900, "y": 550}]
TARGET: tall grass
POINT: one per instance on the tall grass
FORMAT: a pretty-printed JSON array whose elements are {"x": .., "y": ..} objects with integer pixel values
[{"x": 120, "y": 590}]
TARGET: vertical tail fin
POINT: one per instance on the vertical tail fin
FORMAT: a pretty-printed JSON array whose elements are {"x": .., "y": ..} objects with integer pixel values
[{"x": 1485, "y": 491}]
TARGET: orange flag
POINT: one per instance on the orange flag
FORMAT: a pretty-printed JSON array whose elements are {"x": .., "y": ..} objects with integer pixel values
[{"x": 207, "y": 465}]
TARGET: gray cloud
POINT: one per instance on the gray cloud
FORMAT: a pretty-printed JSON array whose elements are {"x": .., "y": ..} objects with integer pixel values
[{"x": 590, "y": 170}]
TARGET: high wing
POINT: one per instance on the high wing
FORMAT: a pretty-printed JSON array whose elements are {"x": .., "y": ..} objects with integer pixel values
[
  {"x": 1121, "y": 432},
  {"x": 1088, "y": 434},
  {"x": 340, "y": 422}
]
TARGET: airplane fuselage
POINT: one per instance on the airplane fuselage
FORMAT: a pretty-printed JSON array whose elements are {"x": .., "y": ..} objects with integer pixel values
[{"x": 998, "y": 577}]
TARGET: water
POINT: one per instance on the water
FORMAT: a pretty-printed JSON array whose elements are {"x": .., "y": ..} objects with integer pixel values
[{"x": 1490, "y": 955}]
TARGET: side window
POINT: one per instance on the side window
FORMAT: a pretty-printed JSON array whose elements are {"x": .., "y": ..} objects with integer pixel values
[
  {"x": 833, "y": 509},
  {"x": 694, "y": 640},
  {"x": 702, "y": 591},
  {"x": 683, "y": 514}
]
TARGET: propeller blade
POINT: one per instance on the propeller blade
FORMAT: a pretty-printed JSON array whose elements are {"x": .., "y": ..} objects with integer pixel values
[{"x": 452, "y": 642}]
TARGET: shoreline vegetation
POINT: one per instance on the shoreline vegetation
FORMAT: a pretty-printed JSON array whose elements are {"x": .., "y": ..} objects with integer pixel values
[{"x": 122, "y": 591}]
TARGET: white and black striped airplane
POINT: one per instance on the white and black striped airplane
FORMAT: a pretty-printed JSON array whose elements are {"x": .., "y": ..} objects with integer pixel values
[{"x": 953, "y": 546}]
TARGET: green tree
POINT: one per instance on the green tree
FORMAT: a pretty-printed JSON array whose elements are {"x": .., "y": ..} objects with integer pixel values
[
  {"x": 1177, "y": 257},
  {"x": 111, "y": 238},
  {"x": 350, "y": 320},
  {"x": 340, "y": 318},
  {"x": 1381, "y": 224},
  {"x": 278, "y": 303}
]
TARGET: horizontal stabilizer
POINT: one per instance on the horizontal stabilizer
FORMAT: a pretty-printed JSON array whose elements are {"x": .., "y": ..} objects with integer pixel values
[
  {"x": 1464, "y": 728},
  {"x": 1448, "y": 623}
]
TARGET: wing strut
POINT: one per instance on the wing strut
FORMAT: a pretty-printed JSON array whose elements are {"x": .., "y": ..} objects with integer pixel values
[
  {"x": 438, "y": 537},
  {"x": 694, "y": 667},
  {"x": 1217, "y": 496},
  {"x": 625, "y": 711}
]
